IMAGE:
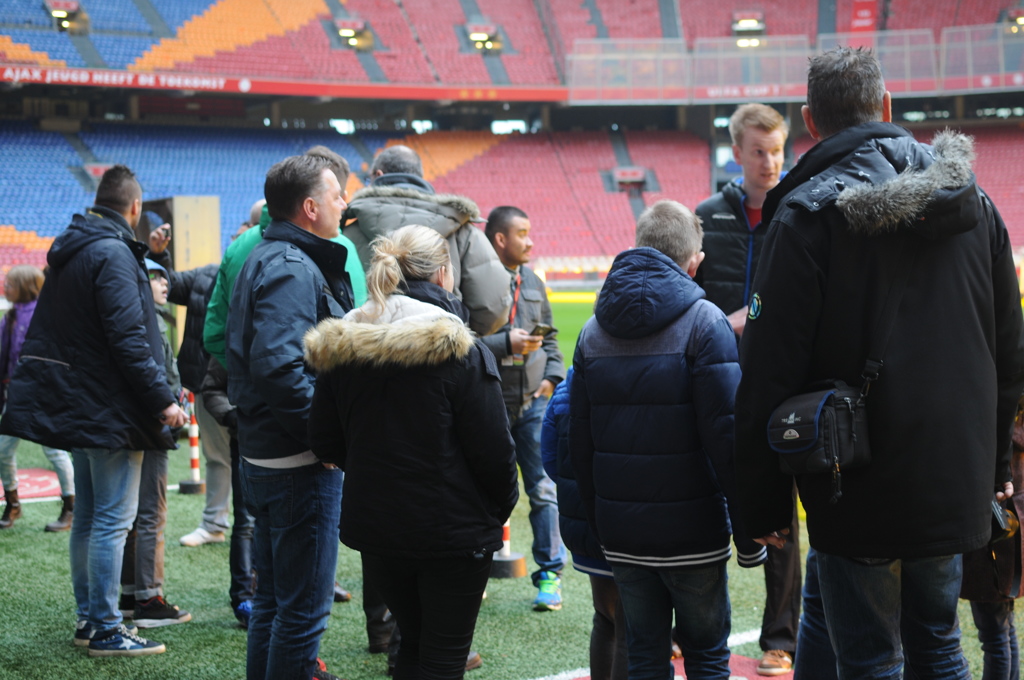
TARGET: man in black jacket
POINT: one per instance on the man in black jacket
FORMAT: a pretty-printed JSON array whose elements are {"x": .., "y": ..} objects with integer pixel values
[
  {"x": 865, "y": 203},
  {"x": 91, "y": 380},
  {"x": 293, "y": 279},
  {"x": 733, "y": 235}
]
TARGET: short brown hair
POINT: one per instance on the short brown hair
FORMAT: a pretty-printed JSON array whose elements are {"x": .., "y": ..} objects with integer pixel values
[
  {"x": 759, "y": 116},
  {"x": 672, "y": 229}
]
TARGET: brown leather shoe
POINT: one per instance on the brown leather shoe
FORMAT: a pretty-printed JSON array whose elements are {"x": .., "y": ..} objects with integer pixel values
[
  {"x": 775, "y": 662},
  {"x": 67, "y": 513},
  {"x": 474, "y": 660},
  {"x": 13, "y": 509}
]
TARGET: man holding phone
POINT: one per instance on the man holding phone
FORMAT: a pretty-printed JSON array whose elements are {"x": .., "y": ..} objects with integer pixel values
[{"x": 531, "y": 367}]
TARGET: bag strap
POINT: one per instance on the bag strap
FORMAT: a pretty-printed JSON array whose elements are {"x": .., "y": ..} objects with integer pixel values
[{"x": 887, "y": 319}]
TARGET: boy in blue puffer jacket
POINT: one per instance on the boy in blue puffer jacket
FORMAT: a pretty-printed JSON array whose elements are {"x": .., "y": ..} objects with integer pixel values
[{"x": 651, "y": 441}]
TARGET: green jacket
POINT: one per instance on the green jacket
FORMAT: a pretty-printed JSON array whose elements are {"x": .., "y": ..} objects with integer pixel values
[{"x": 234, "y": 258}]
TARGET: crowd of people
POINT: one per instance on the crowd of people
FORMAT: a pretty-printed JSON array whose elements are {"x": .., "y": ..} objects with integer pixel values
[{"x": 378, "y": 370}]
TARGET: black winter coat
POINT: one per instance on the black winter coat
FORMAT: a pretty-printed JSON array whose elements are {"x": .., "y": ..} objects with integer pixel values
[
  {"x": 858, "y": 207},
  {"x": 291, "y": 281},
  {"x": 91, "y": 370},
  {"x": 731, "y": 248},
  {"x": 191, "y": 288},
  {"x": 409, "y": 406}
]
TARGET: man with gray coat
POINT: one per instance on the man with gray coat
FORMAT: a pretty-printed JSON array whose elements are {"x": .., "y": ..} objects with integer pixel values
[{"x": 398, "y": 196}]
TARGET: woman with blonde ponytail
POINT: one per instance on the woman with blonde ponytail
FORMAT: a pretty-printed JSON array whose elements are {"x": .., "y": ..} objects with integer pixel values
[{"x": 408, "y": 403}]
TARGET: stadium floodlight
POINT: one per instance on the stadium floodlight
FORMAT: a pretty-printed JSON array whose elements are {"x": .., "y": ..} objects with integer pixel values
[
  {"x": 748, "y": 42},
  {"x": 484, "y": 36},
  {"x": 355, "y": 33},
  {"x": 65, "y": 24},
  {"x": 747, "y": 24},
  {"x": 59, "y": 14}
]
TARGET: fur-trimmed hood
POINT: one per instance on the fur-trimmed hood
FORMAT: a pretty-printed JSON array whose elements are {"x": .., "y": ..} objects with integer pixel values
[
  {"x": 407, "y": 333},
  {"x": 885, "y": 180},
  {"x": 458, "y": 204}
]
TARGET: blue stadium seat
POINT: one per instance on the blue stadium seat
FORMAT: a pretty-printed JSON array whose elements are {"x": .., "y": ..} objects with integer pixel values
[
  {"x": 116, "y": 15},
  {"x": 56, "y": 45}
]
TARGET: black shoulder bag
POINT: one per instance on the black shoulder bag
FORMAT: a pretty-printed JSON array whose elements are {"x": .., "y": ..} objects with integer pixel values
[{"x": 826, "y": 428}]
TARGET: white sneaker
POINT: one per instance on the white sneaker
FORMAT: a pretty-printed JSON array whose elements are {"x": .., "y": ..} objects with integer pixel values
[{"x": 201, "y": 536}]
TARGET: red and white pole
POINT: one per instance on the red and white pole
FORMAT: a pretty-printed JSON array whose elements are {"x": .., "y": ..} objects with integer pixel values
[
  {"x": 507, "y": 564},
  {"x": 194, "y": 484}
]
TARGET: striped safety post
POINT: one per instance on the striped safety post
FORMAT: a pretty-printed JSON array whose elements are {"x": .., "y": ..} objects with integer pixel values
[
  {"x": 193, "y": 484},
  {"x": 507, "y": 564}
]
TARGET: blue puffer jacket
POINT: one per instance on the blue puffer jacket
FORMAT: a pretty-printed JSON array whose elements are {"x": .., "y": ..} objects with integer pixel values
[
  {"x": 572, "y": 518},
  {"x": 651, "y": 420}
]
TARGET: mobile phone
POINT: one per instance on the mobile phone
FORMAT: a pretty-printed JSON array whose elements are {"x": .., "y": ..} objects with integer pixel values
[{"x": 543, "y": 329}]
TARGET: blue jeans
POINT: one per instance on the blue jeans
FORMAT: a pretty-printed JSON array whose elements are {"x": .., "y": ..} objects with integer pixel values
[
  {"x": 548, "y": 550},
  {"x": 142, "y": 570},
  {"x": 60, "y": 461},
  {"x": 295, "y": 555},
  {"x": 998, "y": 637},
  {"x": 105, "y": 507},
  {"x": 700, "y": 600},
  {"x": 815, "y": 659},
  {"x": 875, "y": 607}
]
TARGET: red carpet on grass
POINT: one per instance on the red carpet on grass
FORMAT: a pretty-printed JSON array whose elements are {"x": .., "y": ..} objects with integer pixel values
[
  {"x": 37, "y": 483},
  {"x": 740, "y": 668}
]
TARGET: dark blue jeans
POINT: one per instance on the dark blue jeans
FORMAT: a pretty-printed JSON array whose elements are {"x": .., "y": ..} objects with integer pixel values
[
  {"x": 295, "y": 554},
  {"x": 998, "y": 637},
  {"x": 548, "y": 550},
  {"x": 882, "y": 612},
  {"x": 700, "y": 600},
  {"x": 815, "y": 659}
]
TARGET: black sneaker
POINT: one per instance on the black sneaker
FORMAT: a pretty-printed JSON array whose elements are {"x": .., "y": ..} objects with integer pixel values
[
  {"x": 127, "y": 605},
  {"x": 84, "y": 633},
  {"x": 155, "y": 612},
  {"x": 121, "y": 642}
]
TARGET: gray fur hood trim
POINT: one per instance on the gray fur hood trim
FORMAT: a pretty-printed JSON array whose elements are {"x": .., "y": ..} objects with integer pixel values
[
  {"x": 875, "y": 208},
  {"x": 460, "y": 204},
  {"x": 429, "y": 342}
]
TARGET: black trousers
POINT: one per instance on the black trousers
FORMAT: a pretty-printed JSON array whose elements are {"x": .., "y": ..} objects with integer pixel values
[
  {"x": 435, "y": 603},
  {"x": 782, "y": 580},
  {"x": 609, "y": 654}
]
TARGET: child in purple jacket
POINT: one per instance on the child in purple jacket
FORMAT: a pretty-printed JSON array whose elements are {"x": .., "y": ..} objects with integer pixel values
[{"x": 21, "y": 288}]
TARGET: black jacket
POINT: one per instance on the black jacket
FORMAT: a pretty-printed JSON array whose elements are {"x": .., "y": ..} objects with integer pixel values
[
  {"x": 215, "y": 397},
  {"x": 289, "y": 283},
  {"x": 731, "y": 248},
  {"x": 857, "y": 208},
  {"x": 192, "y": 289},
  {"x": 91, "y": 370},
  {"x": 410, "y": 406}
]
